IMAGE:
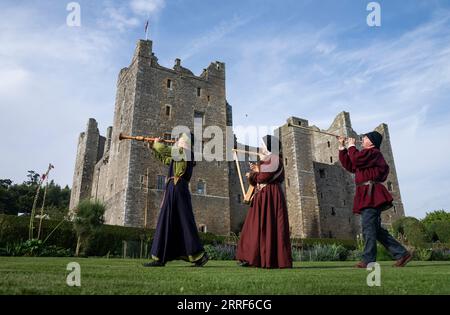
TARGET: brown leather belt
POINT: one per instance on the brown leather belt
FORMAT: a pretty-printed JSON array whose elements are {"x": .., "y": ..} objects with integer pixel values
[{"x": 369, "y": 183}]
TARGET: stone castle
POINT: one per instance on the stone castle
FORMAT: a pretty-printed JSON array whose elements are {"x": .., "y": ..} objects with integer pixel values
[{"x": 151, "y": 100}]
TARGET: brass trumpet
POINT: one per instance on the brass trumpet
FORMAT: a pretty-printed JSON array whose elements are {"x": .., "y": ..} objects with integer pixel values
[{"x": 142, "y": 138}]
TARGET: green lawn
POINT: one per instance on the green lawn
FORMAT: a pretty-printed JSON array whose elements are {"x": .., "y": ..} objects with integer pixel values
[{"x": 22, "y": 275}]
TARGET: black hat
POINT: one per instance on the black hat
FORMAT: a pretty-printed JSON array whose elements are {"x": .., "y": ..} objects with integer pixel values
[{"x": 375, "y": 137}]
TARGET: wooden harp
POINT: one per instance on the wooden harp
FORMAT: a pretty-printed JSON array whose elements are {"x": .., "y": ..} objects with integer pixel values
[{"x": 248, "y": 195}]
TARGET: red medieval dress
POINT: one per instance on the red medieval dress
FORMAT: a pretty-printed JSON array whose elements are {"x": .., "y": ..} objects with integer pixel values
[{"x": 264, "y": 240}]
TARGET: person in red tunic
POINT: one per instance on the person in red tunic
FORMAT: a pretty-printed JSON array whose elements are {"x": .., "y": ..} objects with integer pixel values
[
  {"x": 264, "y": 240},
  {"x": 371, "y": 196}
]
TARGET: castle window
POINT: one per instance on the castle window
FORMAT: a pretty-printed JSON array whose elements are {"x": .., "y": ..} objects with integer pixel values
[
  {"x": 202, "y": 228},
  {"x": 218, "y": 163},
  {"x": 168, "y": 111},
  {"x": 330, "y": 235},
  {"x": 299, "y": 123},
  {"x": 389, "y": 186},
  {"x": 201, "y": 187},
  {"x": 199, "y": 91},
  {"x": 209, "y": 98},
  {"x": 288, "y": 183},
  {"x": 395, "y": 210},
  {"x": 322, "y": 173},
  {"x": 238, "y": 198},
  {"x": 169, "y": 84},
  {"x": 343, "y": 202},
  {"x": 321, "y": 195},
  {"x": 331, "y": 159},
  {"x": 329, "y": 144},
  {"x": 285, "y": 162},
  {"x": 160, "y": 182},
  {"x": 333, "y": 212},
  {"x": 142, "y": 179}
]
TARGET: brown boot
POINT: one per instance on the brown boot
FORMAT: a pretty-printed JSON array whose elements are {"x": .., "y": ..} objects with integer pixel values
[
  {"x": 361, "y": 265},
  {"x": 403, "y": 261}
]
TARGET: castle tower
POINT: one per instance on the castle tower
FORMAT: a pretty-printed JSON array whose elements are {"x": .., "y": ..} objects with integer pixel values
[
  {"x": 151, "y": 100},
  {"x": 90, "y": 149},
  {"x": 392, "y": 184},
  {"x": 300, "y": 185}
]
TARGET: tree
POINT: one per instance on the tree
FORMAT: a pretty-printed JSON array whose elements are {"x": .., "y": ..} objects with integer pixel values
[
  {"x": 15, "y": 198},
  {"x": 88, "y": 219},
  {"x": 437, "y": 224}
]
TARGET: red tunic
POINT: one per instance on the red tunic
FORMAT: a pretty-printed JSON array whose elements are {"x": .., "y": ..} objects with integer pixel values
[
  {"x": 367, "y": 165},
  {"x": 264, "y": 240}
]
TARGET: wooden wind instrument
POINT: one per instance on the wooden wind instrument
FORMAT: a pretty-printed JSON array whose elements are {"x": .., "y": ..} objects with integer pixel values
[
  {"x": 320, "y": 131},
  {"x": 142, "y": 138}
]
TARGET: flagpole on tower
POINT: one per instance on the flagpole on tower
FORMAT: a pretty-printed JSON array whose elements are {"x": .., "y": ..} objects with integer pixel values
[{"x": 146, "y": 30}]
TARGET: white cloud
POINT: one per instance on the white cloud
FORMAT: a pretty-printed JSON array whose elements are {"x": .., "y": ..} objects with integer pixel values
[
  {"x": 147, "y": 7},
  {"x": 117, "y": 18}
]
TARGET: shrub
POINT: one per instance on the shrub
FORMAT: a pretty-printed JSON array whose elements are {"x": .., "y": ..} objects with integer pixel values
[
  {"x": 109, "y": 240},
  {"x": 382, "y": 253},
  {"x": 34, "y": 248},
  {"x": 306, "y": 243},
  {"x": 211, "y": 239},
  {"x": 440, "y": 254},
  {"x": 14, "y": 230},
  {"x": 422, "y": 254},
  {"x": 354, "y": 255},
  {"x": 440, "y": 230},
  {"x": 412, "y": 230},
  {"x": 88, "y": 219},
  {"x": 321, "y": 252},
  {"x": 221, "y": 251}
]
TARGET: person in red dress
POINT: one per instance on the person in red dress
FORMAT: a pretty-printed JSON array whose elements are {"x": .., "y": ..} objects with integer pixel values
[
  {"x": 264, "y": 240},
  {"x": 371, "y": 196}
]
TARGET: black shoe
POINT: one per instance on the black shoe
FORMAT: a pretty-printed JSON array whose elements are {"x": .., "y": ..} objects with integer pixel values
[
  {"x": 155, "y": 263},
  {"x": 243, "y": 263},
  {"x": 202, "y": 261}
]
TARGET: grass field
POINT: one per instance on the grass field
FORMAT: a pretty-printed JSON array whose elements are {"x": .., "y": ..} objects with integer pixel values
[{"x": 23, "y": 275}]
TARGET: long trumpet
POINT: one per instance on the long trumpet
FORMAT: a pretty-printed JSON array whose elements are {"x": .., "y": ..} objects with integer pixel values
[
  {"x": 322, "y": 132},
  {"x": 142, "y": 138}
]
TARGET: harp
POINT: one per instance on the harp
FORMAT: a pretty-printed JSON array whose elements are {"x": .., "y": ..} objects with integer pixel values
[{"x": 248, "y": 195}]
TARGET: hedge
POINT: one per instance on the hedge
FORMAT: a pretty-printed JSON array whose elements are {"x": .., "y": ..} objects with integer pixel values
[{"x": 108, "y": 240}]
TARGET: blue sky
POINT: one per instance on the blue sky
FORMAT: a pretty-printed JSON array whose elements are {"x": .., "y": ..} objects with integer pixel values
[{"x": 311, "y": 59}]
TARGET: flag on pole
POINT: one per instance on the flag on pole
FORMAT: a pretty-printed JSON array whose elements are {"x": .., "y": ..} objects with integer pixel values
[{"x": 145, "y": 29}]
